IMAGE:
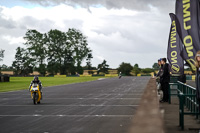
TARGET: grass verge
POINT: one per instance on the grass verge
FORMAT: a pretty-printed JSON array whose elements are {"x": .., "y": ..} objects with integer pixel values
[{"x": 20, "y": 83}]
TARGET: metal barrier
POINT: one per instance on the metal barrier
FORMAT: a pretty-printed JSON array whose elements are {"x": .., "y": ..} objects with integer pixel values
[
  {"x": 187, "y": 99},
  {"x": 172, "y": 89}
]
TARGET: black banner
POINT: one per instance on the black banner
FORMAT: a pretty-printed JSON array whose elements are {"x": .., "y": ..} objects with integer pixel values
[
  {"x": 187, "y": 12},
  {"x": 174, "y": 48}
]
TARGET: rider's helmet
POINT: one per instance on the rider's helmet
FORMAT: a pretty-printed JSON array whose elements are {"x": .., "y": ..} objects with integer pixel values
[{"x": 36, "y": 78}]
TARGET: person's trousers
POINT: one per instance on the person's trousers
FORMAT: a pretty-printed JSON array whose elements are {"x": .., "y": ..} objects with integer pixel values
[{"x": 165, "y": 89}]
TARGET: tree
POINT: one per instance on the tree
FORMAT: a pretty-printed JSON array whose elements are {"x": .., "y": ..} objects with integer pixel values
[
  {"x": 63, "y": 51},
  {"x": 23, "y": 64},
  {"x": 6, "y": 68},
  {"x": 89, "y": 64},
  {"x": 66, "y": 51},
  {"x": 155, "y": 66},
  {"x": 103, "y": 67},
  {"x": 125, "y": 68},
  {"x": 136, "y": 69},
  {"x": 1, "y": 57},
  {"x": 147, "y": 70},
  {"x": 69, "y": 64},
  {"x": 57, "y": 46},
  {"x": 79, "y": 45},
  {"x": 35, "y": 43},
  {"x": 1, "y": 54}
]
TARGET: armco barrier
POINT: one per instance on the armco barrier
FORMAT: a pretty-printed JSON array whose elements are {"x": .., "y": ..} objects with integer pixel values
[
  {"x": 49, "y": 76},
  {"x": 60, "y": 76},
  {"x": 98, "y": 75},
  {"x": 148, "y": 118},
  {"x": 73, "y": 75},
  {"x": 111, "y": 75},
  {"x": 85, "y": 75}
]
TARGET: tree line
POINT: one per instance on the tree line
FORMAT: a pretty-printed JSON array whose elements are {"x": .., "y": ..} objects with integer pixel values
[
  {"x": 1, "y": 54},
  {"x": 53, "y": 52},
  {"x": 128, "y": 69},
  {"x": 125, "y": 68},
  {"x": 61, "y": 52}
]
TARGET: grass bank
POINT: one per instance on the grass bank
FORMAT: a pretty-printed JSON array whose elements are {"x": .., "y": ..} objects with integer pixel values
[{"x": 20, "y": 83}]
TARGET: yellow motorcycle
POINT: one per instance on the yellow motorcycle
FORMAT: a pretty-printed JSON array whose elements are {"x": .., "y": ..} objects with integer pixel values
[{"x": 35, "y": 93}]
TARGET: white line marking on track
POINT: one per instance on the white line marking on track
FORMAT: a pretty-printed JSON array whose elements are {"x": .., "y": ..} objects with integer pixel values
[
  {"x": 101, "y": 78},
  {"x": 97, "y": 98},
  {"x": 38, "y": 115},
  {"x": 13, "y": 91},
  {"x": 93, "y": 105},
  {"x": 109, "y": 93},
  {"x": 81, "y": 98}
]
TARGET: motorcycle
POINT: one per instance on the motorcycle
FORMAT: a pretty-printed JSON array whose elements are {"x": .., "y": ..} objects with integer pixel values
[{"x": 35, "y": 93}]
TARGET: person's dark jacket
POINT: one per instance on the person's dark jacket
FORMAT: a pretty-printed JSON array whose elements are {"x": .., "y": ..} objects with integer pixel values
[
  {"x": 159, "y": 71},
  {"x": 198, "y": 84},
  {"x": 165, "y": 75},
  {"x": 159, "y": 74}
]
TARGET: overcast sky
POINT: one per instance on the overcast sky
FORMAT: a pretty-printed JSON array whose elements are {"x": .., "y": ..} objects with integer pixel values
[{"x": 133, "y": 31}]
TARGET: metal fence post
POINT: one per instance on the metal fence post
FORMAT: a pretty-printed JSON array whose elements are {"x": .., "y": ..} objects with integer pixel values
[
  {"x": 169, "y": 90},
  {"x": 181, "y": 111}
]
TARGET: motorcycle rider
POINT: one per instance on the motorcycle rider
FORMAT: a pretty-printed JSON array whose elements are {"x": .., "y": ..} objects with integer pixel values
[
  {"x": 37, "y": 81},
  {"x": 120, "y": 75}
]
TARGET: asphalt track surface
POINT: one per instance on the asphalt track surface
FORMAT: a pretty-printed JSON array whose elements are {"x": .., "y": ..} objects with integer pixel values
[{"x": 102, "y": 106}]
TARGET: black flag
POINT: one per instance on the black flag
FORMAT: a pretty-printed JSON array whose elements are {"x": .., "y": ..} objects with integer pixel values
[
  {"x": 187, "y": 12},
  {"x": 174, "y": 48}
]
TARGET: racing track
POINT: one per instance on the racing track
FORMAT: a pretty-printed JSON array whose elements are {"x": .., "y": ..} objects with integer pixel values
[{"x": 103, "y": 106}]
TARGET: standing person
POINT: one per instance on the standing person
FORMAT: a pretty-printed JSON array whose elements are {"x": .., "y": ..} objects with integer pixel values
[
  {"x": 159, "y": 62},
  {"x": 197, "y": 63},
  {"x": 164, "y": 80},
  {"x": 160, "y": 92},
  {"x": 160, "y": 68}
]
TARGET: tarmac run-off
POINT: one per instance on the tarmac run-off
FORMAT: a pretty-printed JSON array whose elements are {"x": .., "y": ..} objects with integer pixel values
[{"x": 106, "y": 105}]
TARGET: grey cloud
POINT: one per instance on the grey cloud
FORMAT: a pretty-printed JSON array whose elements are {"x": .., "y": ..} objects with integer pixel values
[
  {"x": 45, "y": 25},
  {"x": 140, "y": 5},
  {"x": 10, "y": 51},
  {"x": 23, "y": 24},
  {"x": 142, "y": 35},
  {"x": 29, "y": 22},
  {"x": 6, "y": 23},
  {"x": 74, "y": 23},
  {"x": 142, "y": 38},
  {"x": 9, "y": 24}
]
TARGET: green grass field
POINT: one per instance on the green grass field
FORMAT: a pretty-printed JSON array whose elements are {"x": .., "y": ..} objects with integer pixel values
[{"x": 20, "y": 83}]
